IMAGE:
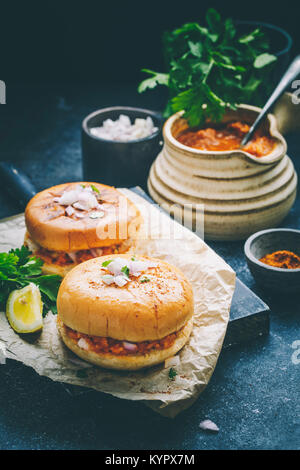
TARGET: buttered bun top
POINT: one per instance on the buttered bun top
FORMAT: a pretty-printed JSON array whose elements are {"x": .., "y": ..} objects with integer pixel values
[
  {"x": 125, "y": 298},
  {"x": 80, "y": 216}
]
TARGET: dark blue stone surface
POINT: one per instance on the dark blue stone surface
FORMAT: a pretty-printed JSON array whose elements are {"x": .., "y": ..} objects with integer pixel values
[{"x": 253, "y": 395}]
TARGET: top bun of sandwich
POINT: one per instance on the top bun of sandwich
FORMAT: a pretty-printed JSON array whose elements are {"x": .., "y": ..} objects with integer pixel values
[
  {"x": 49, "y": 224},
  {"x": 137, "y": 311}
]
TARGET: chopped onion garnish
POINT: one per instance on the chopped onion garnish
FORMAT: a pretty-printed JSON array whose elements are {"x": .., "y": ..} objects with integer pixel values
[
  {"x": 68, "y": 198},
  {"x": 108, "y": 279},
  {"x": 129, "y": 346},
  {"x": 82, "y": 198},
  {"x": 79, "y": 215},
  {"x": 72, "y": 256},
  {"x": 70, "y": 210},
  {"x": 123, "y": 130},
  {"x": 208, "y": 425},
  {"x": 77, "y": 205},
  {"x": 136, "y": 267},
  {"x": 97, "y": 215},
  {"x": 94, "y": 253},
  {"x": 121, "y": 280},
  {"x": 122, "y": 268},
  {"x": 115, "y": 267},
  {"x": 83, "y": 344}
]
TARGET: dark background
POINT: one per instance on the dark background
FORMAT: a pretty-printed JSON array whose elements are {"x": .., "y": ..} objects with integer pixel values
[{"x": 51, "y": 42}]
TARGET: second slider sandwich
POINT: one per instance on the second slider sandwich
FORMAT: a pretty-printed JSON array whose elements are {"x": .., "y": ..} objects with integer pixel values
[
  {"x": 73, "y": 222},
  {"x": 124, "y": 312}
]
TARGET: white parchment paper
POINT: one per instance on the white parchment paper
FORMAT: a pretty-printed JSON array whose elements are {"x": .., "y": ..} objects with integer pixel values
[{"x": 213, "y": 283}]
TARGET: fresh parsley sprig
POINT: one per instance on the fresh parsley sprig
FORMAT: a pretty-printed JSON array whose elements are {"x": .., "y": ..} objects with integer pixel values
[
  {"x": 172, "y": 373},
  {"x": 125, "y": 271},
  {"x": 210, "y": 69},
  {"x": 18, "y": 268}
]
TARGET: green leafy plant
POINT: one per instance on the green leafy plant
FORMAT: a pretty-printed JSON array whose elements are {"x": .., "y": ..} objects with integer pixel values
[
  {"x": 18, "y": 268},
  {"x": 212, "y": 68}
]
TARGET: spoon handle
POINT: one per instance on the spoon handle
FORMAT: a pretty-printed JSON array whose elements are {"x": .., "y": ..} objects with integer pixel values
[{"x": 292, "y": 72}]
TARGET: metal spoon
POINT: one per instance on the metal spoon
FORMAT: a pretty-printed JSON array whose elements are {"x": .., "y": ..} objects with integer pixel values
[{"x": 292, "y": 72}]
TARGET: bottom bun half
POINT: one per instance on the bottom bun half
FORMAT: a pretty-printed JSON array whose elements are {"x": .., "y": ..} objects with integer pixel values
[
  {"x": 130, "y": 362},
  {"x": 62, "y": 271}
]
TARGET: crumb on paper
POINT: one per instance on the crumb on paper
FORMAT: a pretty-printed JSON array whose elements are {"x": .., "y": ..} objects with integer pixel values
[{"x": 208, "y": 425}]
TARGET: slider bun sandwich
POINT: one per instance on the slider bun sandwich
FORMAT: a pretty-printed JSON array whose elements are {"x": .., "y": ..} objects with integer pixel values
[
  {"x": 123, "y": 312},
  {"x": 73, "y": 222}
]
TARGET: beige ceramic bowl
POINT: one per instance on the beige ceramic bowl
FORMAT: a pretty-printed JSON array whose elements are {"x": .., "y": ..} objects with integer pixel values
[{"x": 240, "y": 192}]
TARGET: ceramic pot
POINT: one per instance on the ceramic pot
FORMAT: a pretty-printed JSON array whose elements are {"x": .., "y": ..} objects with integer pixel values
[
  {"x": 121, "y": 164},
  {"x": 240, "y": 193},
  {"x": 277, "y": 280}
]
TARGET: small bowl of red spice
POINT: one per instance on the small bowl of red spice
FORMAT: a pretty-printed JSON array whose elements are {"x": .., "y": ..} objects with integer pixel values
[{"x": 273, "y": 257}]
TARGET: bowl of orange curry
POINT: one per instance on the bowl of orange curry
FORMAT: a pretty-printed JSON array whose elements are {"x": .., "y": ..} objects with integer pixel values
[
  {"x": 228, "y": 136},
  {"x": 273, "y": 257},
  {"x": 204, "y": 170}
]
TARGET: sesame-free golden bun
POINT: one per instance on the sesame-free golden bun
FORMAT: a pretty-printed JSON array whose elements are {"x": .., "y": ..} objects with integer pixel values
[
  {"x": 132, "y": 362},
  {"x": 136, "y": 312},
  {"x": 50, "y": 227}
]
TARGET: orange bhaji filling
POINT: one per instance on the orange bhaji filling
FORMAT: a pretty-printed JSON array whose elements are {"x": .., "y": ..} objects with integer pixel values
[
  {"x": 99, "y": 344},
  {"x": 228, "y": 137},
  {"x": 63, "y": 259}
]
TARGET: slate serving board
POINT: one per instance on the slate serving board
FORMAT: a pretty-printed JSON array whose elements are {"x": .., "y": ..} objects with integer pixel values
[{"x": 249, "y": 315}]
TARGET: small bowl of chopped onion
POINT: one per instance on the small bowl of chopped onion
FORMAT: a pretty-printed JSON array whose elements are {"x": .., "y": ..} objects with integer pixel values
[{"x": 119, "y": 144}]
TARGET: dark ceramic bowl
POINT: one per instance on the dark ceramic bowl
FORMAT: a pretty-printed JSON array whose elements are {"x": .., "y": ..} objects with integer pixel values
[
  {"x": 121, "y": 164},
  {"x": 268, "y": 241},
  {"x": 280, "y": 44}
]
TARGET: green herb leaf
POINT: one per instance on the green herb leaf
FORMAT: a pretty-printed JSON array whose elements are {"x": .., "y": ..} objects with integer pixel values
[
  {"x": 33, "y": 267},
  {"x": 106, "y": 263},
  {"x": 125, "y": 270},
  {"x": 18, "y": 268},
  {"x": 22, "y": 253},
  {"x": 263, "y": 60},
  {"x": 250, "y": 37},
  {"x": 196, "y": 48},
  {"x": 144, "y": 279},
  {"x": 172, "y": 373},
  {"x": 155, "y": 79},
  {"x": 211, "y": 68},
  {"x": 48, "y": 285},
  {"x": 95, "y": 189},
  {"x": 213, "y": 19}
]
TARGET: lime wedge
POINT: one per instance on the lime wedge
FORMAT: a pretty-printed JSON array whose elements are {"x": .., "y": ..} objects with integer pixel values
[{"x": 24, "y": 309}]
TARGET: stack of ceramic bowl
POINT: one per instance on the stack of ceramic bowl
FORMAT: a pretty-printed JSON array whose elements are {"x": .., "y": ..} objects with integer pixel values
[{"x": 240, "y": 193}]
